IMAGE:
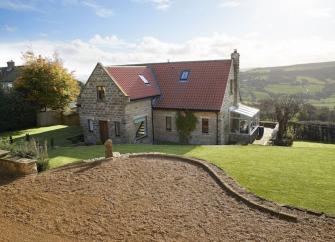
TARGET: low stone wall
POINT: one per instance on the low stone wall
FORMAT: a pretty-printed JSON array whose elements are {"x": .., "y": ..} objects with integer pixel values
[{"x": 21, "y": 166}]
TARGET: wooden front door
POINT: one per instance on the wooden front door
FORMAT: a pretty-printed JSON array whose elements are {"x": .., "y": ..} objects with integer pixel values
[{"x": 103, "y": 130}]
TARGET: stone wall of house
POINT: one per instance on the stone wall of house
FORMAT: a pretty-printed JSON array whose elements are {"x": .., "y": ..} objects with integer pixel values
[
  {"x": 137, "y": 110},
  {"x": 116, "y": 107},
  {"x": 197, "y": 137},
  {"x": 112, "y": 109},
  {"x": 228, "y": 101}
]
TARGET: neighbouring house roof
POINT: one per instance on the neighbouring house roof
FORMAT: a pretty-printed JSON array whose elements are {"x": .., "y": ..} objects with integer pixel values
[
  {"x": 132, "y": 81},
  {"x": 204, "y": 89},
  {"x": 244, "y": 110},
  {"x": 9, "y": 75}
]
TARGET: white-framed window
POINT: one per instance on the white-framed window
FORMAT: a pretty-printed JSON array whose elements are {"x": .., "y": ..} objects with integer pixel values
[
  {"x": 141, "y": 127},
  {"x": 145, "y": 80},
  {"x": 90, "y": 125},
  {"x": 184, "y": 76},
  {"x": 117, "y": 126}
]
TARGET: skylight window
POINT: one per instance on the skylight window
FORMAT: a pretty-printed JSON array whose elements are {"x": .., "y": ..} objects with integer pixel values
[
  {"x": 184, "y": 76},
  {"x": 144, "y": 79}
]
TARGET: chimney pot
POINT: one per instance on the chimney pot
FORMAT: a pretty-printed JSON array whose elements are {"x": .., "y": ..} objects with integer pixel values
[{"x": 10, "y": 64}]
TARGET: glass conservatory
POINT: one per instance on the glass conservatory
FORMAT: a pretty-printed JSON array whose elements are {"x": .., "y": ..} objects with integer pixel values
[{"x": 244, "y": 122}]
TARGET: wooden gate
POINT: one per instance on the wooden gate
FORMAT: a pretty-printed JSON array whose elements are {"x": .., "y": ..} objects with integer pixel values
[{"x": 103, "y": 126}]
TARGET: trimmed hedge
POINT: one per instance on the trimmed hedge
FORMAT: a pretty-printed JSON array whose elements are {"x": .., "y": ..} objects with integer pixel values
[
  {"x": 15, "y": 112},
  {"x": 314, "y": 131}
]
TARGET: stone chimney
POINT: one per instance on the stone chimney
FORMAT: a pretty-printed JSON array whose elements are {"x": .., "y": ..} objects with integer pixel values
[
  {"x": 10, "y": 65},
  {"x": 235, "y": 56}
]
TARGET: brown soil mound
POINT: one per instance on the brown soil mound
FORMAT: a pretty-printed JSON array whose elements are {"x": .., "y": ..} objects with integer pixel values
[{"x": 137, "y": 199}]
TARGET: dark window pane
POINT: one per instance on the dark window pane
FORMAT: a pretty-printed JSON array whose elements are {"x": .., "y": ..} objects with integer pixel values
[
  {"x": 168, "y": 123},
  {"x": 205, "y": 127},
  {"x": 101, "y": 92}
]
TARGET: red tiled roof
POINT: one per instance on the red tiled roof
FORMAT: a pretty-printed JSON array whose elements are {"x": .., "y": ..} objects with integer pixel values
[
  {"x": 204, "y": 89},
  {"x": 127, "y": 77}
]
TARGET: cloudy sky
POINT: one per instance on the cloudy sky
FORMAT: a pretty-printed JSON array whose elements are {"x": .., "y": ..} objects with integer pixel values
[{"x": 84, "y": 32}]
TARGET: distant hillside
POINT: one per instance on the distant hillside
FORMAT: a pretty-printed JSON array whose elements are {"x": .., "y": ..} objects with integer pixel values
[{"x": 316, "y": 81}]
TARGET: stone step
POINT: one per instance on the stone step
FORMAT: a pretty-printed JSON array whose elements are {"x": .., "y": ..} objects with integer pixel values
[{"x": 3, "y": 153}]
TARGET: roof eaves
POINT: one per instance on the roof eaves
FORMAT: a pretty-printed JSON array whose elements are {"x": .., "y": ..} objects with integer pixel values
[
  {"x": 183, "y": 108},
  {"x": 144, "y": 97}
]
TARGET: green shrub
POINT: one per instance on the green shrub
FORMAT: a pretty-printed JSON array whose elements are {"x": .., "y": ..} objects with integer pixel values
[
  {"x": 186, "y": 122},
  {"x": 284, "y": 142},
  {"x": 30, "y": 150}
]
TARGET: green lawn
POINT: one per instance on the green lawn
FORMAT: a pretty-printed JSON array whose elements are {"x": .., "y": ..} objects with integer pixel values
[
  {"x": 302, "y": 175},
  {"x": 59, "y": 133}
]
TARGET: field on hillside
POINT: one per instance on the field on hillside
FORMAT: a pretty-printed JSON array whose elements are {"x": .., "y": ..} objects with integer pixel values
[
  {"x": 303, "y": 175},
  {"x": 315, "y": 82}
]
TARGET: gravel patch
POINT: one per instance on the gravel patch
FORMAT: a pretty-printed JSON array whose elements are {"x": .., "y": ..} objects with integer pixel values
[{"x": 138, "y": 199}]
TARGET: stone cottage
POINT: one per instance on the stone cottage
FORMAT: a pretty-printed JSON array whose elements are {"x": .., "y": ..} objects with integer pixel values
[{"x": 139, "y": 103}]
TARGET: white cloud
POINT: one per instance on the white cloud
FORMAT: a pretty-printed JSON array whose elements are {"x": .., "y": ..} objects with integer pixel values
[
  {"x": 99, "y": 10},
  {"x": 255, "y": 51},
  {"x": 230, "y": 3},
  {"x": 17, "y": 5},
  {"x": 161, "y": 4},
  {"x": 320, "y": 12},
  {"x": 158, "y": 4},
  {"x": 9, "y": 28}
]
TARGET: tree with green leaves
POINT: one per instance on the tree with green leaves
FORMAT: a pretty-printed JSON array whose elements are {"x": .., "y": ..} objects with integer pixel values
[
  {"x": 286, "y": 107},
  {"x": 46, "y": 83}
]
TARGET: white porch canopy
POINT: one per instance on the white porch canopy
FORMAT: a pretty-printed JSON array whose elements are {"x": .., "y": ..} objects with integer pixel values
[{"x": 244, "y": 110}]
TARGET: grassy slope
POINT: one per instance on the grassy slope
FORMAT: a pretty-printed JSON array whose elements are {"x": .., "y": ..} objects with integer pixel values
[
  {"x": 303, "y": 175},
  {"x": 58, "y": 132}
]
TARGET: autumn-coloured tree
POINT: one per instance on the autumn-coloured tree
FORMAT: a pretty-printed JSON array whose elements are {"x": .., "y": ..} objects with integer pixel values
[{"x": 45, "y": 82}]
